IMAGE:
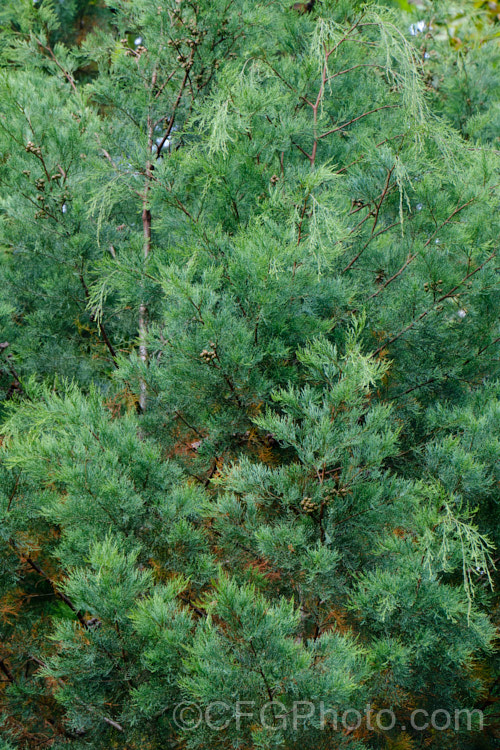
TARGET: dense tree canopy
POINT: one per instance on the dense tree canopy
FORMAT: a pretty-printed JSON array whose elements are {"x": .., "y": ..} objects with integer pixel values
[{"x": 248, "y": 372}]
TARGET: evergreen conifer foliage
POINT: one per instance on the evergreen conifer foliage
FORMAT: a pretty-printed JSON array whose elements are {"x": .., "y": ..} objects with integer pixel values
[{"x": 249, "y": 402}]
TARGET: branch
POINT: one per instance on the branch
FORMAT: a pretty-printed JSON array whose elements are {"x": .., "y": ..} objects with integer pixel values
[
  {"x": 65, "y": 73},
  {"x": 355, "y": 119},
  {"x": 105, "y": 336},
  {"x": 433, "y": 307},
  {"x": 301, "y": 149},
  {"x": 348, "y": 70},
  {"x": 176, "y": 104},
  {"x": 93, "y": 710},
  {"x": 412, "y": 256},
  {"x": 35, "y": 566},
  {"x": 304, "y": 207},
  {"x": 447, "y": 374},
  {"x": 381, "y": 231}
]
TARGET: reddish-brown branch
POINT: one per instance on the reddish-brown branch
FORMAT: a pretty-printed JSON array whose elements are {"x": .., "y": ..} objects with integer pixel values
[
  {"x": 101, "y": 327},
  {"x": 372, "y": 237},
  {"x": 355, "y": 119},
  {"x": 13, "y": 493},
  {"x": 433, "y": 307},
  {"x": 301, "y": 150},
  {"x": 348, "y": 33},
  {"x": 165, "y": 83},
  {"x": 146, "y": 230},
  {"x": 65, "y": 73},
  {"x": 447, "y": 374},
  {"x": 378, "y": 205},
  {"x": 287, "y": 83},
  {"x": 315, "y": 107},
  {"x": 176, "y": 104},
  {"x": 377, "y": 145},
  {"x": 382, "y": 197},
  {"x": 412, "y": 256},
  {"x": 93, "y": 710},
  {"x": 304, "y": 207},
  {"x": 348, "y": 70}
]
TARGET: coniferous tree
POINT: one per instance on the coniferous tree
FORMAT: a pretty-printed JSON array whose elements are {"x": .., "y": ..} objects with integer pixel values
[{"x": 248, "y": 369}]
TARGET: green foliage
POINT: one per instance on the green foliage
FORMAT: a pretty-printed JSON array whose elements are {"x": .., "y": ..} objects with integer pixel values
[{"x": 248, "y": 372}]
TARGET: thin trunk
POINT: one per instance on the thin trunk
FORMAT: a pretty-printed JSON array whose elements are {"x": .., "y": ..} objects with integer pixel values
[
  {"x": 146, "y": 214},
  {"x": 146, "y": 227}
]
